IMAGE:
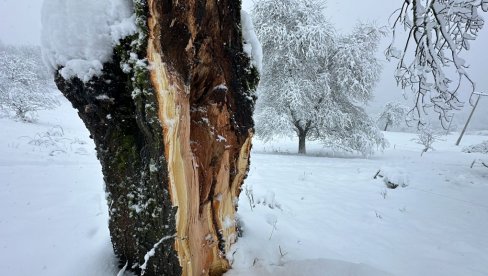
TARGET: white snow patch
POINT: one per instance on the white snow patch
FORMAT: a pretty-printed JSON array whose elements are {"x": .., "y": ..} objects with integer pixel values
[
  {"x": 219, "y": 197},
  {"x": 209, "y": 237},
  {"x": 221, "y": 138},
  {"x": 103, "y": 97},
  {"x": 137, "y": 92},
  {"x": 153, "y": 167},
  {"x": 83, "y": 69},
  {"x": 252, "y": 47},
  {"x": 126, "y": 68},
  {"x": 220, "y": 87},
  {"x": 136, "y": 208},
  {"x": 228, "y": 222},
  {"x": 122, "y": 271},
  {"x": 170, "y": 123},
  {"x": 152, "y": 252},
  {"x": 80, "y": 35},
  {"x": 394, "y": 176}
]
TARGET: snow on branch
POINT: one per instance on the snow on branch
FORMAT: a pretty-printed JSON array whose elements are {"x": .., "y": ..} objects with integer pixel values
[{"x": 438, "y": 32}]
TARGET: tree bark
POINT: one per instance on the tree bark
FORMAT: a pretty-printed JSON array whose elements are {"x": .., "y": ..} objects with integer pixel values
[
  {"x": 386, "y": 126},
  {"x": 302, "y": 138},
  {"x": 173, "y": 138}
]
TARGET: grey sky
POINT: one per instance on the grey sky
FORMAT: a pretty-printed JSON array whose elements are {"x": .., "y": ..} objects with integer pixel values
[{"x": 20, "y": 23}]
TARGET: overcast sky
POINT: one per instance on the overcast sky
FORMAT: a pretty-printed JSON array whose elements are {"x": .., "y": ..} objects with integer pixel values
[{"x": 20, "y": 23}]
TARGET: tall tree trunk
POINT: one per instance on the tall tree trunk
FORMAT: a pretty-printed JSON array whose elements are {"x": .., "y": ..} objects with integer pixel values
[
  {"x": 173, "y": 140},
  {"x": 386, "y": 126},
  {"x": 302, "y": 138}
]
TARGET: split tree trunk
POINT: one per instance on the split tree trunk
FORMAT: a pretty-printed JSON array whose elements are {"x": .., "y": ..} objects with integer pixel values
[{"x": 173, "y": 140}]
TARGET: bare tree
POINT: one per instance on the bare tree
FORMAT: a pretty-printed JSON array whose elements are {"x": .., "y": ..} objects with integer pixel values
[{"x": 438, "y": 32}]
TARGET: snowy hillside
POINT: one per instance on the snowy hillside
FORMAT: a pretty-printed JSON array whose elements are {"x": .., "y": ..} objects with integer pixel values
[{"x": 322, "y": 214}]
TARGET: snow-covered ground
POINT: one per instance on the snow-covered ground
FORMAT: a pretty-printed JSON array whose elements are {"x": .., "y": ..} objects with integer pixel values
[
  {"x": 322, "y": 214},
  {"x": 328, "y": 216},
  {"x": 53, "y": 214}
]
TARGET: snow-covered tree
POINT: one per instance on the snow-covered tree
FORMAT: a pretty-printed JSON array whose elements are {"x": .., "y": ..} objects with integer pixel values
[
  {"x": 438, "y": 32},
  {"x": 314, "y": 81},
  {"x": 427, "y": 136},
  {"x": 393, "y": 115},
  {"x": 25, "y": 87}
]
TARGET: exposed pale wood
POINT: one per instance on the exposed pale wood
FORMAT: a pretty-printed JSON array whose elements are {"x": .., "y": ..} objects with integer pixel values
[{"x": 207, "y": 158}]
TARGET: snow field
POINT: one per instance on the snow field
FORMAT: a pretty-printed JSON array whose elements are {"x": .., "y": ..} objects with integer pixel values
[
  {"x": 335, "y": 219},
  {"x": 53, "y": 213},
  {"x": 321, "y": 214}
]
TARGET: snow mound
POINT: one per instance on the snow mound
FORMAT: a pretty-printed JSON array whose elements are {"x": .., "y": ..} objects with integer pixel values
[
  {"x": 79, "y": 35},
  {"x": 393, "y": 177},
  {"x": 479, "y": 148}
]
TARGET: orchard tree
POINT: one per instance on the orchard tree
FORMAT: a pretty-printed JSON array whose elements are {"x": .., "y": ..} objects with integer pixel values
[
  {"x": 314, "y": 81},
  {"x": 166, "y": 90},
  {"x": 438, "y": 33},
  {"x": 393, "y": 115},
  {"x": 294, "y": 35},
  {"x": 25, "y": 88}
]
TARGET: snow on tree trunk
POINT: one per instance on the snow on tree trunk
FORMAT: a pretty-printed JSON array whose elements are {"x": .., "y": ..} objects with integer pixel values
[{"x": 173, "y": 137}]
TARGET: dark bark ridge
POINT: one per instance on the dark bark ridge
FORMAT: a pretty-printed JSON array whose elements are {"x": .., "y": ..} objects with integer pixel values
[
  {"x": 118, "y": 110},
  {"x": 129, "y": 148}
]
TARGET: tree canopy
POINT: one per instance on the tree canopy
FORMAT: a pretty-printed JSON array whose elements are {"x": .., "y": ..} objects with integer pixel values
[{"x": 314, "y": 80}]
